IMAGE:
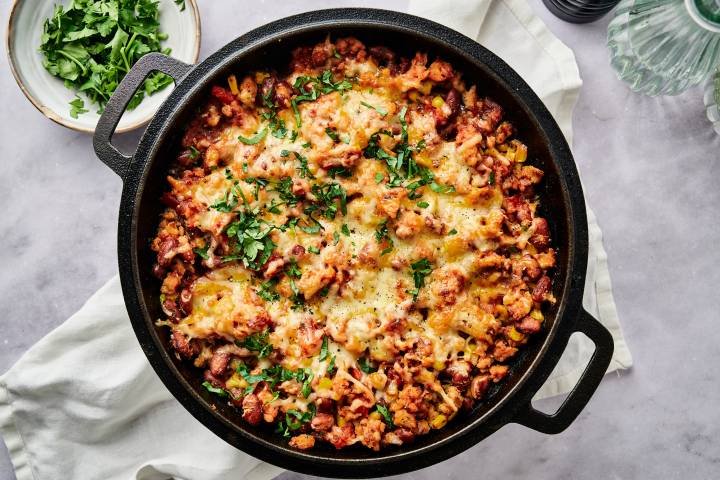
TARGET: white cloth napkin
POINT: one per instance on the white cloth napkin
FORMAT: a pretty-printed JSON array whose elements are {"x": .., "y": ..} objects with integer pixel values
[{"x": 83, "y": 403}]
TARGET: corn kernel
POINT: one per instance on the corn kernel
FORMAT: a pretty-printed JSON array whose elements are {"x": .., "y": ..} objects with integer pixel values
[
  {"x": 236, "y": 381},
  {"x": 438, "y": 365},
  {"x": 378, "y": 380},
  {"x": 515, "y": 335},
  {"x": 375, "y": 415},
  {"x": 438, "y": 102},
  {"x": 232, "y": 83},
  {"x": 520, "y": 151},
  {"x": 341, "y": 421},
  {"x": 438, "y": 422},
  {"x": 537, "y": 315},
  {"x": 325, "y": 383},
  {"x": 260, "y": 76},
  {"x": 425, "y": 87}
]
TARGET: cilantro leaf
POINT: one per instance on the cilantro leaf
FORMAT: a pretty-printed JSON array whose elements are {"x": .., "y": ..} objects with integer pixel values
[
  {"x": 253, "y": 140},
  {"x": 217, "y": 391}
]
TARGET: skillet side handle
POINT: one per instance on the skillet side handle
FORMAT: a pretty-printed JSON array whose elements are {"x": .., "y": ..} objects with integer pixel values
[
  {"x": 102, "y": 139},
  {"x": 586, "y": 386}
]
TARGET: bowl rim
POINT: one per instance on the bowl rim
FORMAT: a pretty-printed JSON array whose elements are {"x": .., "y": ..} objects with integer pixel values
[{"x": 62, "y": 120}]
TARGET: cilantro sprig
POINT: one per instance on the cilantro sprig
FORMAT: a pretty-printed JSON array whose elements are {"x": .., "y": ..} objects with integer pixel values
[
  {"x": 313, "y": 87},
  {"x": 419, "y": 269},
  {"x": 92, "y": 44}
]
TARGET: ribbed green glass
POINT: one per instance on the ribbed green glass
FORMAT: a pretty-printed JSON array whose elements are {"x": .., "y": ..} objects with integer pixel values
[{"x": 663, "y": 47}]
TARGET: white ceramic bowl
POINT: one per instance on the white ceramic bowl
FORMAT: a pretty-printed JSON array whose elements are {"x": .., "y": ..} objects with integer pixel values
[
  {"x": 712, "y": 92},
  {"x": 48, "y": 93}
]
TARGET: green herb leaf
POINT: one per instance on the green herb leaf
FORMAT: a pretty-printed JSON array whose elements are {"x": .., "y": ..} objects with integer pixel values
[
  {"x": 258, "y": 342},
  {"x": 77, "y": 106},
  {"x": 423, "y": 204},
  {"x": 267, "y": 291},
  {"x": 386, "y": 415},
  {"x": 366, "y": 365},
  {"x": 332, "y": 134},
  {"x": 202, "y": 252},
  {"x": 253, "y": 140},
  {"x": 379, "y": 177},
  {"x": 453, "y": 232},
  {"x": 491, "y": 178},
  {"x": 380, "y": 110},
  {"x": 217, "y": 391},
  {"x": 314, "y": 250},
  {"x": 420, "y": 269}
]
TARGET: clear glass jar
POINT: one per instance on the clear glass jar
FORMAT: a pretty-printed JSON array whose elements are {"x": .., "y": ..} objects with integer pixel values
[
  {"x": 663, "y": 47},
  {"x": 712, "y": 99}
]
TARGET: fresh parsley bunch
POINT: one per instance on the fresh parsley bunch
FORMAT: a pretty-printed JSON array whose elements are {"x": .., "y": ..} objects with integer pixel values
[{"x": 92, "y": 44}]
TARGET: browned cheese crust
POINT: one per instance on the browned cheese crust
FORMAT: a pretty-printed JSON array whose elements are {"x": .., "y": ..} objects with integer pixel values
[{"x": 352, "y": 251}]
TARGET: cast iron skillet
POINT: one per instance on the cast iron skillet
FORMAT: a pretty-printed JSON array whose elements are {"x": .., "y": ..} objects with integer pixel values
[{"x": 269, "y": 46}]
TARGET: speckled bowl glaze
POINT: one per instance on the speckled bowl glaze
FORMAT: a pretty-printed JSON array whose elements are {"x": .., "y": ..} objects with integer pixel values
[
  {"x": 49, "y": 94},
  {"x": 712, "y": 99}
]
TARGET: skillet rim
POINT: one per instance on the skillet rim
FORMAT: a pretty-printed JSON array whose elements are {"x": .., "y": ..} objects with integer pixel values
[{"x": 506, "y": 407}]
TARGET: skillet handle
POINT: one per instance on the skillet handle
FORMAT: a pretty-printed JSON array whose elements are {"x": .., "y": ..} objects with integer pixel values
[
  {"x": 586, "y": 386},
  {"x": 102, "y": 139}
]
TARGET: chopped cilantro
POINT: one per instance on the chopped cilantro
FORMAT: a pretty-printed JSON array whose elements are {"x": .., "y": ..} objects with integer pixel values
[
  {"x": 292, "y": 269},
  {"x": 366, "y": 365},
  {"x": 379, "y": 177},
  {"x": 491, "y": 178},
  {"x": 452, "y": 232},
  {"x": 202, "y": 252},
  {"x": 382, "y": 235},
  {"x": 314, "y": 250},
  {"x": 420, "y": 269},
  {"x": 217, "y": 391},
  {"x": 92, "y": 44},
  {"x": 253, "y": 140},
  {"x": 423, "y": 204},
  {"x": 380, "y": 110},
  {"x": 386, "y": 415},
  {"x": 267, "y": 291},
  {"x": 345, "y": 230},
  {"x": 332, "y": 134},
  {"x": 77, "y": 106},
  {"x": 258, "y": 342}
]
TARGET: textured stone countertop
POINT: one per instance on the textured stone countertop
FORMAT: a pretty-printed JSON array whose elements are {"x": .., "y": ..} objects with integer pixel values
[{"x": 650, "y": 167}]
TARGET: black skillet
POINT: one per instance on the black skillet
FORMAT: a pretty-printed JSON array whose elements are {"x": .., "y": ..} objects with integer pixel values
[{"x": 269, "y": 46}]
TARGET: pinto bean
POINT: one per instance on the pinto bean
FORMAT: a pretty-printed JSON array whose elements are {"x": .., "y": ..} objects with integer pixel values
[
  {"x": 182, "y": 345},
  {"x": 479, "y": 386},
  {"x": 325, "y": 405},
  {"x": 222, "y": 94},
  {"x": 529, "y": 325},
  {"x": 541, "y": 233},
  {"x": 252, "y": 409},
  {"x": 164, "y": 256},
  {"x": 452, "y": 100},
  {"x": 219, "y": 362},
  {"x": 382, "y": 54},
  {"x": 541, "y": 289},
  {"x": 405, "y": 435}
]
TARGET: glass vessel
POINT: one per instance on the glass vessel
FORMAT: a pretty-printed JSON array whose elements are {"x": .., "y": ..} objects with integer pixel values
[
  {"x": 663, "y": 47},
  {"x": 712, "y": 99}
]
